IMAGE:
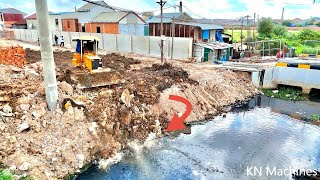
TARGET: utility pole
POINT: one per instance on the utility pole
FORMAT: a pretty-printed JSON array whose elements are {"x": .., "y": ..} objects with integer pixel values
[
  {"x": 241, "y": 35},
  {"x": 248, "y": 33},
  {"x": 45, "y": 38},
  {"x": 161, "y": 3},
  {"x": 254, "y": 27},
  {"x": 282, "y": 16},
  {"x": 180, "y": 7},
  {"x": 173, "y": 31}
]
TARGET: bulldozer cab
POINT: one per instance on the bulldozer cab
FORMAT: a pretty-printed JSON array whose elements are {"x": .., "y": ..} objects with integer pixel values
[
  {"x": 86, "y": 55},
  {"x": 86, "y": 44}
]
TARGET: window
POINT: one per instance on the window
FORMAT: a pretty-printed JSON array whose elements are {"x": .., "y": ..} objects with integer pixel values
[
  {"x": 1, "y": 15},
  {"x": 98, "y": 30},
  {"x": 57, "y": 22},
  {"x": 68, "y": 24},
  {"x": 83, "y": 29}
]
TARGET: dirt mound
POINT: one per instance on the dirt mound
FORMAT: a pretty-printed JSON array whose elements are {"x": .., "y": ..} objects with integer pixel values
[{"x": 118, "y": 62}]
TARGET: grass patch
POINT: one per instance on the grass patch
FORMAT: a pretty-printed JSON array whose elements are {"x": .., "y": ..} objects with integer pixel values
[
  {"x": 286, "y": 93},
  {"x": 315, "y": 117},
  {"x": 5, "y": 174}
]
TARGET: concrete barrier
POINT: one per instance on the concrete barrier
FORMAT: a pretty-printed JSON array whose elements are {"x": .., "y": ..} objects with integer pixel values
[
  {"x": 16, "y": 34},
  {"x": 307, "y": 79},
  {"x": 110, "y": 42},
  {"x": 146, "y": 45},
  {"x": 23, "y": 35},
  {"x": 124, "y": 43},
  {"x": 140, "y": 44},
  {"x": 34, "y": 35}
]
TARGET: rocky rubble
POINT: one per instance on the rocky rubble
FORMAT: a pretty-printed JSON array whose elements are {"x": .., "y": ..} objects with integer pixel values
[{"x": 99, "y": 122}]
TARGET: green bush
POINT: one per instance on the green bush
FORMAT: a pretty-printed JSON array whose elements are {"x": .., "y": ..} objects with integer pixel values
[
  {"x": 280, "y": 31},
  {"x": 5, "y": 174},
  {"x": 288, "y": 94},
  {"x": 315, "y": 117}
]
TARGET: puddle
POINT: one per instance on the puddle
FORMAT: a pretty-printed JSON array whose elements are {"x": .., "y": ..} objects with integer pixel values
[{"x": 258, "y": 135}]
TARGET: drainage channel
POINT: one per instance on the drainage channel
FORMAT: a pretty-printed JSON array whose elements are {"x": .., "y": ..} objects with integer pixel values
[{"x": 258, "y": 140}]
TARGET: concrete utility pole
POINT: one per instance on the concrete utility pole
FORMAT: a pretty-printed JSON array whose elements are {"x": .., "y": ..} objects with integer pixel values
[
  {"x": 173, "y": 31},
  {"x": 241, "y": 33},
  {"x": 45, "y": 38},
  {"x": 161, "y": 3},
  {"x": 254, "y": 27},
  {"x": 248, "y": 33},
  {"x": 282, "y": 16}
]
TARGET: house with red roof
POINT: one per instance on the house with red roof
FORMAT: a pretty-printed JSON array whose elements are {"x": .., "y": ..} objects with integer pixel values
[{"x": 9, "y": 16}]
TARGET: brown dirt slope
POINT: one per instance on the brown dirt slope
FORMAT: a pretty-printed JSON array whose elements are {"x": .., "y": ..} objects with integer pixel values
[{"x": 55, "y": 144}]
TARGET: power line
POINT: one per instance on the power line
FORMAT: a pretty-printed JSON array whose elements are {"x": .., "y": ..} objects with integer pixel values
[{"x": 192, "y": 12}]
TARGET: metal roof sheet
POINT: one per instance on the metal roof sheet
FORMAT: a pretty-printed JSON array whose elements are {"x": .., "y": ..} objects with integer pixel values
[
  {"x": 111, "y": 17},
  {"x": 166, "y": 17},
  {"x": 215, "y": 45},
  {"x": 12, "y": 11},
  {"x": 202, "y": 26}
]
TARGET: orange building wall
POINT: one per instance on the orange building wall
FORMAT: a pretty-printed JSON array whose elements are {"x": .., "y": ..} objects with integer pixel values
[
  {"x": 107, "y": 28},
  {"x": 74, "y": 26}
]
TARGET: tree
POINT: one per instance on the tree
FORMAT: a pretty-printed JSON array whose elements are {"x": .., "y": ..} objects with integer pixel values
[
  {"x": 308, "y": 34},
  {"x": 287, "y": 23},
  {"x": 318, "y": 24},
  {"x": 280, "y": 30},
  {"x": 265, "y": 27}
]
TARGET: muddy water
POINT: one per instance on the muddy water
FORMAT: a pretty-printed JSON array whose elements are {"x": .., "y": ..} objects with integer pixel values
[{"x": 228, "y": 148}]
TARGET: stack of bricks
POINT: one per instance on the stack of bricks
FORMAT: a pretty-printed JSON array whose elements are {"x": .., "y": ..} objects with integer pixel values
[{"x": 15, "y": 56}]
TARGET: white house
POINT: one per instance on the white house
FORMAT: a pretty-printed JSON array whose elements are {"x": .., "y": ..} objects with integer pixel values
[{"x": 75, "y": 21}]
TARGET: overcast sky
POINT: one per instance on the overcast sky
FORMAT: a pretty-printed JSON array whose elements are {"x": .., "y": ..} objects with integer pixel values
[{"x": 197, "y": 8}]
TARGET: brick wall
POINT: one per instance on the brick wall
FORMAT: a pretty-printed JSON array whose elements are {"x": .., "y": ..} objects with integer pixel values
[
  {"x": 70, "y": 25},
  {"x": 108, "y": 28}
]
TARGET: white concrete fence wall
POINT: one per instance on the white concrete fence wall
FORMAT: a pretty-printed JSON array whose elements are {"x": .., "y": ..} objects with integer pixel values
[{"x": 145, "y": 45}]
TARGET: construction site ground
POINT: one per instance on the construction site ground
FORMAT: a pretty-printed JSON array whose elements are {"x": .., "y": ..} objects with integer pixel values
[{"x": 101, "y": 121}]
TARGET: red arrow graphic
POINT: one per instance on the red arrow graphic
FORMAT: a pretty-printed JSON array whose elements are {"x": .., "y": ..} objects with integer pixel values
[{"x": 177, "y": 122}]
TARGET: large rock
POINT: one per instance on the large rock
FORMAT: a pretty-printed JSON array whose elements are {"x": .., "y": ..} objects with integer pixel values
[
  {"x": 31, "y": 73},
  {"x": 25, "y": 166},
  {"x": 66, "y": 88},
  {"x": 126, "y": 97},
  {"x": 24, "y": 107},
  {"x": 22, "y": 127}
]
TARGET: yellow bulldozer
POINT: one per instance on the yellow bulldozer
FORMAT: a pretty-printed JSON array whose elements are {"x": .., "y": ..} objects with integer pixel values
[{"x": 90, "y": 71}]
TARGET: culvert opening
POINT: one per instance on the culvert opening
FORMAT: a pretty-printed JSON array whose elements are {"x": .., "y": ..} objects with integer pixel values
[{"x": 314, "y": 95}]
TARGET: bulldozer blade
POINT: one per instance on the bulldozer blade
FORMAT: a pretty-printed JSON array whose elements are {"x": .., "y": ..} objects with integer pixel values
[{"x": 97, "y": 79}]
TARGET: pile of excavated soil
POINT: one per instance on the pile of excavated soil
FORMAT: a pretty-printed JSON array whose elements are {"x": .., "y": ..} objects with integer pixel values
[
  {"x": 118, "y": 62},
  {"x": 49, "y": 145}
]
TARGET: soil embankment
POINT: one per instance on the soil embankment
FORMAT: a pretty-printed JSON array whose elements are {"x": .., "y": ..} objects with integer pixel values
[{"x": 49, "y": 145}]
